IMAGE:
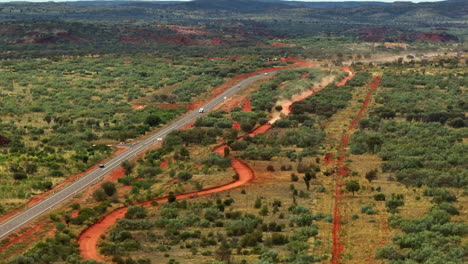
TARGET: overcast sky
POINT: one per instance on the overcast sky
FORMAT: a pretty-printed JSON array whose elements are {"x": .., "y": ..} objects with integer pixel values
[{"x": 415, "y": 1}]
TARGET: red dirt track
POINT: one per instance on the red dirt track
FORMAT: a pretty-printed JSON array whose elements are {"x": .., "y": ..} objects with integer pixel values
[
  {"x": 237, "y": 165},
  {"x": 89, "y": 238},
  {"x": 341, "y": 171}
]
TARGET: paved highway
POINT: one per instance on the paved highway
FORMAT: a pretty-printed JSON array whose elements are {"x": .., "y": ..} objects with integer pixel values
[{"x": 93, "y": 176}]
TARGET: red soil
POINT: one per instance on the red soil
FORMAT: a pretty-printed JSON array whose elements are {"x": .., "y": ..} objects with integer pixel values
[
  {"x": 113, "y": 176},
  {"x": 20, "y": 237},
  {"x": 68, "y": 36},
  {"x": 279, "y": 44},
  {"x": 163, "y": 164},
  {"x": 89, "y": 237},
  {"x": 30, "y": 235},
  {"x": 341, "y": 171},
  {"x": 435, "y": 37},
  {"x": 328, "y": 159},
  {"x": 174, "y": 181},
  {"x": 219, "y": 90},
  {"x": 236, "y": 125},
  {"x": 42, "y": 196},
  {"x": 345, "y": 80},
  {"x": 247, "y": 106},
  {"x": 261, "y": 129}
]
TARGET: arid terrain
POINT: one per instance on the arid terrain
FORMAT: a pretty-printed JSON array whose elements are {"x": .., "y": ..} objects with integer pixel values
[{"x": 242, "y": 131}]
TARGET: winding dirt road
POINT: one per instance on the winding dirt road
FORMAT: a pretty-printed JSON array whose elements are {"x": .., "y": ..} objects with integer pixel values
[{"x": 89, "y": 238}]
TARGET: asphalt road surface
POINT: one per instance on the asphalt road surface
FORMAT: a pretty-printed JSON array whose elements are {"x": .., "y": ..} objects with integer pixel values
[{"x": 93, "y": 176}]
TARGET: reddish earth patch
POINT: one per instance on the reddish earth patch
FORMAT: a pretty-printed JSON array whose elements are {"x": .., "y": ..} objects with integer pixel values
[
  {"x": 42, "y": 196},
  {"x": 435, "y": 37},
  {"x": 279, "y": 44},
  {"x": 74, "y": 214},
  {"x": 30, "y": 235},
  {"x": 347, "y": 78},
  {"x": 69, "y": 37},
  {"x": 130, "y": 39},
  {"x": 328, "y": 159},
  {"x": 163, "y": 164},
  {"x": 261, "y": 129},
  {"x": 236, "y": 125},
  {"x": 138, "y": 107},
  {"x": 113, "y": 176},
  {"x": 341, "y": 171},
  {"x": 88, "y": 239},
  {"x": 174, "y": 181},
  {"x": 247, "y": 106}
]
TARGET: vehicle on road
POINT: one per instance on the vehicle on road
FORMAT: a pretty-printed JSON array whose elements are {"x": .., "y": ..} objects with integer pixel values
[
  {"x": 201, "y": 110},
  {"x": 102, "y": 166}
]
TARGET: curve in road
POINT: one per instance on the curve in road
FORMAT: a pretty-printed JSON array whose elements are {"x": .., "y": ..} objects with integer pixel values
[
  {"x": 89, "y": 238},
  {"x": 67, "y": 192}
]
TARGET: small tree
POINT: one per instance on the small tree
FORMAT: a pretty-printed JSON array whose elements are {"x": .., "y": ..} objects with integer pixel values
[
  {"x": 48, "y": 118},
  {"x": 19, "y": 175},
  {"x": 136, "y": 212},
  {"x": 128, "y": 166},
  {"x": 99, "y": 195},
  {"x": 153, "y": 120},
  {"x": 227, "y": 150},
  {"x": 184, "y": 175},
  {"x": 223, "y": 253},
  {"x": 246, "y": 126},
  {"x": 258, "y": 203},
  {"x": 371, "y": 175},
  {"x": 294, "y": 177},
  {"x": 264, "y": 211},
  {"x": 171, "y": 198},
  {"x": 353, "y": 186},
  {"x": 307, "y": 178},
  {"x": 109, "y": 188}
]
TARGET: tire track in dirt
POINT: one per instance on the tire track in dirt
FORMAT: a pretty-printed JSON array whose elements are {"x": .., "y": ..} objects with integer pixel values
[
  {"x": 88, "y": 238},
  {"x": 217, "y": 91},
  {"x": 341, "y": 171}
]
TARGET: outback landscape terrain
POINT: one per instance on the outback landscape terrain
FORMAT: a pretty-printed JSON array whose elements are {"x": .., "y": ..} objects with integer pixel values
[{"x": 240, "y": 131}]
